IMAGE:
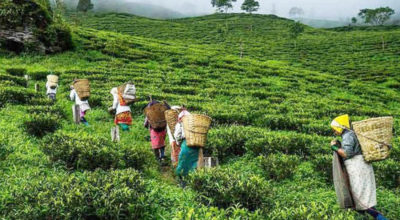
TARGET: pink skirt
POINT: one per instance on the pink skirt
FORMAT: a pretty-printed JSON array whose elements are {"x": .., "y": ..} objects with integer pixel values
[{"x": 157, "y": 138}]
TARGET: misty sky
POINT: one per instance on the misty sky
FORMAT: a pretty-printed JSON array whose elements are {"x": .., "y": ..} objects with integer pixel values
[{"x": 328, "y": 9}]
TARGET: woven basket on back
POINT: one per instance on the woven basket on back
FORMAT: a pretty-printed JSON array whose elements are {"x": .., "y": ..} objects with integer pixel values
[
  {"x": 121, "y": 90},
  {"x": 375, "y": 136},
  {"x": 52, "y": 80},
  {"x": 155, "y": 115},
  {"x": 171, "y": 116},
  {"x": 196, "y": 128},
  {"x": 82, "y": 88}
]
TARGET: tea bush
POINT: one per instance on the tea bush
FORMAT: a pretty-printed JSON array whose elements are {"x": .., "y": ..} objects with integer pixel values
[
  {"x": 289, "y": 143},
  {"x": 230, "y": 141},
  {"x": 387, "y": 173},
  {"x": 87, "y": 151},
  {"x": 41, "y": 124},
  {"x": 88, "y": 195},
  {"x": 81, "y": 150},
  {"x": 5, "y": 148},
  {"x": 280, "y": 166},
  {"x": 136, "y": 157},
  {"x": 51, "y": 109},
  {"x": 225, "y": 187},
  {"x": 323, "y": 166},
  {"x": 16, "y": 71},
  {"x": 39, "y": 75},
  {"x": 15, "y": 95},
  {"x": 16, "y": 79}
]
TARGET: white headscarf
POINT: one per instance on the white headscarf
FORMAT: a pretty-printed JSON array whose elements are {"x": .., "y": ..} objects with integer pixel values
[
  {"x": 114, "y": 91},
  {"x": 182, "y": 114}
]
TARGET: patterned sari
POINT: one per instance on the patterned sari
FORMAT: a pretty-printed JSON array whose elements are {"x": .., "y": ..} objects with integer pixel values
[{"x": 124, "y": 117}]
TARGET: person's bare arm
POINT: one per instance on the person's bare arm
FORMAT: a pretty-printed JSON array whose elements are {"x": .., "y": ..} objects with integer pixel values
[
  {"x": 342, "y": 153},
  {"x": 336, "y": 147}
]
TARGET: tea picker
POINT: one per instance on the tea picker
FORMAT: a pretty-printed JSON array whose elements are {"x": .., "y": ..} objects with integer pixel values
[
  {"x": 171, "y": 117},
  {"x": 357, "y": 188},
  {"x": 123, "y": 96},
  {"x": 191, "y": 134},
  {"x": 51, "y": 86},
  {"x": 80, "y": 93},
  {"x": 156, "y": 123}
]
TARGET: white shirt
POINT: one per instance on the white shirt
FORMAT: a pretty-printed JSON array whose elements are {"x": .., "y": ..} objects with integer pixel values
[
  {"x": 179, "y": 133},
  {"x": 170, "y": 136},
  {"x": 74, "y": 96},
  {"x": 50, "y": 90},
  {"x": 118, "y": 107}
]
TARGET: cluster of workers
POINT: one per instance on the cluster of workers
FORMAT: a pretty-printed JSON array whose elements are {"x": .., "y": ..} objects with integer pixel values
[{"x": 185, "y": 159}]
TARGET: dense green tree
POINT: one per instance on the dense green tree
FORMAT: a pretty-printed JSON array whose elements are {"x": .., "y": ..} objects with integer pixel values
[
  {"x": 376, "y": 16},
  {"x": 250, "y": 6},
  {"x": 222, "y": 5},
  {"x": 354, "y": 20},
  {"x": 84, "y": 5},
  {"x": 295, "y": 30}
]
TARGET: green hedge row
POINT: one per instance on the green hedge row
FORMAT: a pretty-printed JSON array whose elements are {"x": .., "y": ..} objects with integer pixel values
[
  {"x": 87, "y": 151},
  {"x": 41, "y": 124},
  {"x": 116, "y": 194},
  {"x": 226, "y": 187},
  {"x": 224, "y": 142},
  {"x": 15, "y": 95}
]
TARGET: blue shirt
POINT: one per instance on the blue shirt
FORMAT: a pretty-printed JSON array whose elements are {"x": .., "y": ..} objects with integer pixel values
[{"x": 350, "y": 144}]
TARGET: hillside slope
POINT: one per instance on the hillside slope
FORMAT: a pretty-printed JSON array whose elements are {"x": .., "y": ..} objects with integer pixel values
[
  {"x": 353, "y": 54},
  {"x": 270, "y": 130}
]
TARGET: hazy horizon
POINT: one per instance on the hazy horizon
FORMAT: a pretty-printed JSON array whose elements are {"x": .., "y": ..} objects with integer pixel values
[{"x": 327, "y": 9}]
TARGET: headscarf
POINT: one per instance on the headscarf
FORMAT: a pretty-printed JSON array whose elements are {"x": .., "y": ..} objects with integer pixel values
[
  {"x": 182, "y": 114},
  {"x": 175, "y": 107},
  {"x": 114, "y": 91},
  {"x": 340, "y": 123}
]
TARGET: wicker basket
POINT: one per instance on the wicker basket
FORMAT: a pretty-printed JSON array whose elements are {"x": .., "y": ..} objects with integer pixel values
[
  {"x": 375, "y": 136},
  {"x": 52, "y": 80},
  {"x": 155, "y": 115},
  {"x": 196, "y": 128},
  {"x": 121, "y": 90},
  {"x": 82, "y": 88},
  {"x": 172, "y": 118}
]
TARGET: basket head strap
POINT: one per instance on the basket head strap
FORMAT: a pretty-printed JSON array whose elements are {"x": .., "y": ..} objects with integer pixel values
[{"x": 371, "y": 139}]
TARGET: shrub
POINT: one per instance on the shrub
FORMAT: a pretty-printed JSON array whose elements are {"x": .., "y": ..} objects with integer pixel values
[
  {"x": 289, "y": 143},
  {"x": 314, "y": 210},
  {"x": 16, "y": 71},
  {"x": 18, "y": 80},
  {"x": 5, "y": 148},
  {"x": 15, "y": 95},
  {"x": 41, "y": 124},
  {"x": 228, "y": 141},
  {"x": 215, "y": 213},
  {"x": 323, "y": 166},
  {"x": 280, "y": 166},
  {"x": 51, "y": 109},
  {"x": 58, "y": 35},
  {"x": 116, "y": 194},
  {"x": 41, "y": 101},
  {"x": 87, "y": 151},
  {"x": 387, "y": 173},
  {"x": 225, "y": 187},
  {"x": 81, "y": 150},
  {"x": 39, "y": 75},
  {"x": 96, "y": 101},
  {"x": 135, "y": 157}
]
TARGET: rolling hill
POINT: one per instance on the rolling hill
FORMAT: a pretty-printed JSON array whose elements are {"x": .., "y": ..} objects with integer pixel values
[{"x": 271, "y": 110}]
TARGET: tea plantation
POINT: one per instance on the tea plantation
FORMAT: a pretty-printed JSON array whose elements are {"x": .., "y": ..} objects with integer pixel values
[{"x": 271, "y": 104}]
